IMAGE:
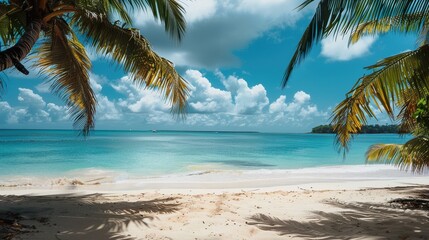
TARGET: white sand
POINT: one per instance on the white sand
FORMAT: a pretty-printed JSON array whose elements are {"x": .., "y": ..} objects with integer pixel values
[{"x": 326, "y": 203}]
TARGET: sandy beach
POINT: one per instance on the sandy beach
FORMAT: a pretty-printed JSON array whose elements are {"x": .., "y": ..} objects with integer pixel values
[{"x": 333, "y": 207}]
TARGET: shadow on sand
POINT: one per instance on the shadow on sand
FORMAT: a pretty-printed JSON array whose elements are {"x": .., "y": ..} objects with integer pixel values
[
  {"x": 77, "y": 217},
  {"x": 404, "y": 218}
]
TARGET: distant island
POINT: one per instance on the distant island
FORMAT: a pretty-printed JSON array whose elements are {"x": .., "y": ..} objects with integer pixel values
[{"x": 369, "y": 129}]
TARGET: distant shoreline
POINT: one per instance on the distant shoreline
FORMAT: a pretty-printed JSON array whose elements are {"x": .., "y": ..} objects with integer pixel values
[{"x": 365, "y": 129}]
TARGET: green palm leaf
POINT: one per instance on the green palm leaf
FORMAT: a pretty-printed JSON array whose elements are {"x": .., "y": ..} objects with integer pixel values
[
  {"x": 128, "y": 48},
  {"x": 408, "y": 106},
  {"x": 102, "y": 22},
  {"x": 413, "y": 155},
  {"x": 170, "y": 12},
  {"x": 63, "y": 58},
  {"x": 12, "y": 23},
  {"x": 107, "y": 7},
  {"x": 339, "y": 17},
  {"x": 402, "y": 23},
  {"x": 391, "y": 79}
]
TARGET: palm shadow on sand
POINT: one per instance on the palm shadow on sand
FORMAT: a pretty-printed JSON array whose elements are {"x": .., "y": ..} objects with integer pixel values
[
  {"x": 77, "y": 217},
  {"x": 396, "y": 219}
]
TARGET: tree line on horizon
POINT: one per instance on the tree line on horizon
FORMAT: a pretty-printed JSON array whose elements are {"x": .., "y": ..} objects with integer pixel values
[{"x": 366, "y": 129}]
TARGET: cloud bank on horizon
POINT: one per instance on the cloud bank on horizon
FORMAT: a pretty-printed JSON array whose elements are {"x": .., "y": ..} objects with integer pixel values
[{"x": 236, "y": 105}]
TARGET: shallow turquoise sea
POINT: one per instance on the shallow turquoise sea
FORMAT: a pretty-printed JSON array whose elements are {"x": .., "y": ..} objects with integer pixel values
[{"x": 54, "y": 152}]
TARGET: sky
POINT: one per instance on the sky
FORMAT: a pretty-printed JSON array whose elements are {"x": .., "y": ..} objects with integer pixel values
[{"x": 233, "y": 56}]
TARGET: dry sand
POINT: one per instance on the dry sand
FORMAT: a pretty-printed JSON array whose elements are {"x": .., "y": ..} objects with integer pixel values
[{"x": 330, "y": 210}]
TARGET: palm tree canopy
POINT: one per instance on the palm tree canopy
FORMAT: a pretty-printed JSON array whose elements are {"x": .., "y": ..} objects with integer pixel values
[
  {"x": 399, "y": 81},
  {"x": 106, "y": 24},
  {"x": 339, "y": 17}
]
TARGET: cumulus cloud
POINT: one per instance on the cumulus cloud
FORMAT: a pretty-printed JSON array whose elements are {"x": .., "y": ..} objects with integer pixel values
[
  {"x": 301, "y": 97},
  {"x": 235, "y": 104},
  {"x": 217, "y": 28},
  {"x": 138, "y": 99},
  {"x": 250, "y": 100},
  {"x": 31, "y": 99},
  {"x": 106, "y": 109},
  {"x": 7, "y": 113},
  {"x": 338, "y": 49},
  {"x": 204, "y": 98},
  {"x": 31, "y": 109}
]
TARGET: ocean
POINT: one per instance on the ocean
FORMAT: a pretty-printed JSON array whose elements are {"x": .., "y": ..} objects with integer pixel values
[{"x": 145, "y": 153}]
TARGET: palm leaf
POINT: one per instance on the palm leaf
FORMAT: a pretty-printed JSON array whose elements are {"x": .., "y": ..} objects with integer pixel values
[
  {"x": 12, "y": 23},
  {"x": 408, "y": 106},
  {"x": 63, "y": 58},
  {"x": 107, "y": 7},
  {"x": 413, "y": 155},
  {"x": 391, "y": 79},
  {"x": 327, "y": 11},
  {"x": 128, "y": 48},
  {"x": 402, "y": 23},
  {"x": 338, "y": 17},
  {"x": 170, "y": 12},
  {"x": 2, "y": 86}
]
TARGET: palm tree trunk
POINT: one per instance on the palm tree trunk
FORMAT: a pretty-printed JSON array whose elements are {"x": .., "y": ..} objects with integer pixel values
[{"x": 22, "y": 48}]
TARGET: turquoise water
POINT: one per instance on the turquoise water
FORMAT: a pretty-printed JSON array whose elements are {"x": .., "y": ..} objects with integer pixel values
[{"x": 54, "y": 152}]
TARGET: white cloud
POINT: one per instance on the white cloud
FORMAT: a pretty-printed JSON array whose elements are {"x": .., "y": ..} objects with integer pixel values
[
  {"x": 29, "y": 98},
  {"x": 6, "y": 113},
  {"x": 139, "y": 99},
  {"x": 338, "y": 49},
  {"x": 234, "y": 104},
  {"x": 279, "y": 105},
  {"x": 43, "y": 87},
  {"x": 106, "y": 109},
  {"x": 237, "y": 105},
  {"x": 31, "y": 108},
  {"x": 204, "y": 98},
  {"x": 199, "y": 10},
  {"x": 57, "y": 113},
  {"x": 217, "y": 28},
  {"x": 301, "y": 97},
  {"x": 250, "y": 100}
]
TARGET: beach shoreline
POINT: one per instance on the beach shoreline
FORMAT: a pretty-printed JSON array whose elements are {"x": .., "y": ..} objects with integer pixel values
[
  {"x": 335, "y": 203},
  {"x": 350, "y": 177}
]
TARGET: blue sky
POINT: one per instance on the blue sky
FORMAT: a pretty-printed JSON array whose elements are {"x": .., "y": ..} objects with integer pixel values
[{"x": 233, "y": 55}]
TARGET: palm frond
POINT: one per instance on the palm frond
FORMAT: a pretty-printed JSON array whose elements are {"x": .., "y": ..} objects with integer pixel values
[
  {"x": 2, "y": 86},
  {"x": 63, "y": 58},
  {"x": 413, "y": 155},
  {"x": 108, "y": 7},
  {"x": 386, "y": 153},
  {"x": 401, "y": 23},
  {"x": 338, "y": 17},
  {"x": 327, "y": 12},
  {"x": 169, "y": 12},
  {"x": 392, "y": 77},
  {"x": 408, "y": 106},
  {"x": 128, "y": 48},
  {"x": 12, "y": 23}
]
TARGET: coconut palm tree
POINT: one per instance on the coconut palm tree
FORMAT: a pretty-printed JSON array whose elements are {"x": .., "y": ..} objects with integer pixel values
[
  {"x": 401, "y": 80},
  {"x": 52, "y": 29}
]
